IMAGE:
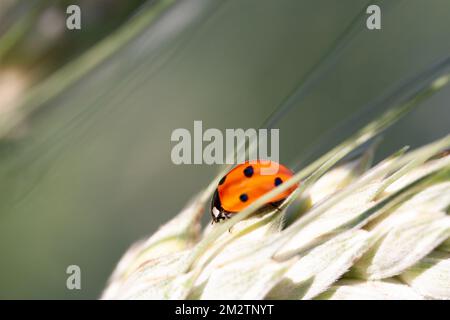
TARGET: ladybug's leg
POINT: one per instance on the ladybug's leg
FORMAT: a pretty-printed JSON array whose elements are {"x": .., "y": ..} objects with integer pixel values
[{"x": 227, "y": 216}]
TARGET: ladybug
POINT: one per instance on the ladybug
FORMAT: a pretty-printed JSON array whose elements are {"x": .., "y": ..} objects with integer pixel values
[{"x": 244, "y": 184}]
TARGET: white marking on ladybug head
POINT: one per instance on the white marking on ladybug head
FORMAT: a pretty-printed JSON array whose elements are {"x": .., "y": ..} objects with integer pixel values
[{"x": 215, "y": 212}]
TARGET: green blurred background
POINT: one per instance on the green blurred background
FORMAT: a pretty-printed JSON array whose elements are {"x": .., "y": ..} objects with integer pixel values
[{"x": 86, "y": 115}]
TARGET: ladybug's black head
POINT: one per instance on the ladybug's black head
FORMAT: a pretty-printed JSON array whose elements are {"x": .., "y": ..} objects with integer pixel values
[{"x": 217, "y": 212}]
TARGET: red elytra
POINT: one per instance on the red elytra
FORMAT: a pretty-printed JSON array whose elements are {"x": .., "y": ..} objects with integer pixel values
[{"x": 244, "y": 184}]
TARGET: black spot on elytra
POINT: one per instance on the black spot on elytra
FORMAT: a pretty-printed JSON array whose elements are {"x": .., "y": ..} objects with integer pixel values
[
  {"x": 248, "y": 172},
  {"x": 278, "y": 181},
  {"x": 222, "y": 180},
  {"x": 243, "y": 197}
]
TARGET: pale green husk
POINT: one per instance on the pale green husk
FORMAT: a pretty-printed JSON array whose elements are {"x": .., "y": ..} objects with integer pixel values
[{"x": 354, "y": 243}]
